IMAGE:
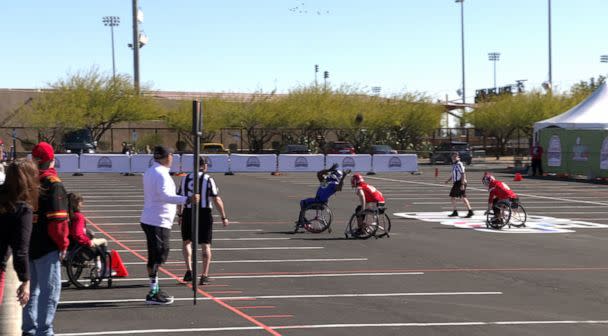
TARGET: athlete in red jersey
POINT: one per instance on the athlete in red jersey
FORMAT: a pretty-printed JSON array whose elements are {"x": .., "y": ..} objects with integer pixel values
[
  {"x": 498, "y": 191},
  {"x": 369, "y": 196}
]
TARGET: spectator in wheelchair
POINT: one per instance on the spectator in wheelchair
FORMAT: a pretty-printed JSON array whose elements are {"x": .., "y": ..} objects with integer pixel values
[
  {"x": 369, "y": 198},
  {"x": 79, "y": 234},
  {"x": 330, "y": 182},
  {"x": 499, "y": 191}
]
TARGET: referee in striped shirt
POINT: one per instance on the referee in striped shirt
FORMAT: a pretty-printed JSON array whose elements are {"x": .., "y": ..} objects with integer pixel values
[
  {"x": 209, "y": 196},
  {"x": 459, "y": 188}
]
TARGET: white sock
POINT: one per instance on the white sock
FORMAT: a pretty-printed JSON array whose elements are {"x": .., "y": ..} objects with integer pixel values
[{"x": 154, "y": 283}]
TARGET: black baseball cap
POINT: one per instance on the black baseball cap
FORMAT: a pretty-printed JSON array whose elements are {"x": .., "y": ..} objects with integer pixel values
[{"x": 162, "y": 152}]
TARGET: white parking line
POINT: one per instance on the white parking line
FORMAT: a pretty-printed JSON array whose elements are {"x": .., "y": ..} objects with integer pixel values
[
  {"x": 484, "y": 190},
  {"x": 277, "y": 297},
  {"x": 253, "y": 261},
  {"x": 219, "y": 230},
  {"x": 279, "y": 276},
  {"x": 214, "y": 239},
  {"x": 241, "y": 249}
]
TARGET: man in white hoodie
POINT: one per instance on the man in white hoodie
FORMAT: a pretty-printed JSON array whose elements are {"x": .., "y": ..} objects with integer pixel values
[{"x": 160, "y": 206}]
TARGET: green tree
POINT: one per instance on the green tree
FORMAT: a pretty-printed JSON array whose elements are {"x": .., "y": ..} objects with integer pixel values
[{"x": 90, "y": 100}]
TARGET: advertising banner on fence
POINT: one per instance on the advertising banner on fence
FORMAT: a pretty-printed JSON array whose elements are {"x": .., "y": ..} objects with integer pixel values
[
  {"x": 218, "y": 163},
  {"x": 253, "y": 163},
  {"x": 67, "y": 163},
  {"x": 355, "y": 162},
  {"x": 301, "y": 162},
  {"x": 141, "y": 162},
  {"x": 395, "y": 163},
  {"x": 104, "y": 163}
]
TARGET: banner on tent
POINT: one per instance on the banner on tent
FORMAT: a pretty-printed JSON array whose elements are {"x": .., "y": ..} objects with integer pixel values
[
  {"x": 301, "y": 162},
  {"x": 141, "y": 162},
  {"x": 355, "y": 162},
  {"x": 218, "y": 163},
  {"x": 395, "y": 163},
  {"x": 253, "y": 163},
  {"x": 104, "y": 163}
]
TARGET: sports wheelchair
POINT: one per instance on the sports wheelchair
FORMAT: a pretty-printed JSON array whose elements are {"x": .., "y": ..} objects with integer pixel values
[{"x": 85, "y": 270}]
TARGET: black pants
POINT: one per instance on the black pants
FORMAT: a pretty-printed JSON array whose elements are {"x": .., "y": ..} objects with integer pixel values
[
  {"x": 157, "y": 241},
  {"x": 537, "y": 166}
]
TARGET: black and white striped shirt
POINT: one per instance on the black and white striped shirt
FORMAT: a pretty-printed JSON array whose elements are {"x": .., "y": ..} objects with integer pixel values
[
  {"x": 207, "y": 188},
  {"x": 457, "y": 171}
]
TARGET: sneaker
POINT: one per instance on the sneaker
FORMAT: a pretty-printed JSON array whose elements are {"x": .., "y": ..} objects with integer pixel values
[
  {"x": 453, "y": 214},
  {"x": 470, "y": 214},
  {"x": 204, "y": 280},
  {"x": 187, "y": 276},
  {"x": 158, "y": 298}
]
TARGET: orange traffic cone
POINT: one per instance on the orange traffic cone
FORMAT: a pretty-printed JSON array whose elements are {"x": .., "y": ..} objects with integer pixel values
[
  {"x": 518, "y": 177},
  {"x": 118, "y": 266}
]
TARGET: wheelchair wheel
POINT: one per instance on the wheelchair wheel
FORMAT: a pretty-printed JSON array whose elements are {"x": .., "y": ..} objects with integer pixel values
[
  {"x": 518, "y": 216},
  {"x": 368, "y": 228},
  {"x": 384, "y": 225},
  {"x": 505, "y": 215},
  {"x": 317, "y": 217},
  {"x": 82, "y": 270}
]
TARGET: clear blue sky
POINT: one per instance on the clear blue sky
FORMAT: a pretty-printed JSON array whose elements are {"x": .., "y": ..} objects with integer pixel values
[{"x": 246, "y": 45}]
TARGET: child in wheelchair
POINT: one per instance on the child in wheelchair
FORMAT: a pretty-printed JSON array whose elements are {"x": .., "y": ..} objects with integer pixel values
[
  {"x": 81, "y": 236},
  {"x": 330, "y": 182},
  {"x": 499, "y": 191},
  {"x": 369, "y": 198}
]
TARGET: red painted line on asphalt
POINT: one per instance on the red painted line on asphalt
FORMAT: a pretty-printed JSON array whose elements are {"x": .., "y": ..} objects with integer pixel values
[{"x": 202, "y": 292}]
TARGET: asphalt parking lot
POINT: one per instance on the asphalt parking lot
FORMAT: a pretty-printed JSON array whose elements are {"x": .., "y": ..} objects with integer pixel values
[{"x": 433, "y": 276}]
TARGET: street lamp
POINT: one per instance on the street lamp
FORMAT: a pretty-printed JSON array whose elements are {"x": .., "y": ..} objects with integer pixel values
[
  {"x": 494, "y": 57},
  {"x": 462, "y": 45},
  {"x": 550, "y": 83},
  {"x": 112, "y": 21}
]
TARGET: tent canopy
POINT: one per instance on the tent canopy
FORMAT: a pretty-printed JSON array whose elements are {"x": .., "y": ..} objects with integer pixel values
[{"x": 591, "y": 114}]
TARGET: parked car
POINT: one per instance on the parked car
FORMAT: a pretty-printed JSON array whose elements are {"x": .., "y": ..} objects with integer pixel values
[
  {"x": 214, "y": 148},
  {"x": 443, "y": 152},
  {"x": 295, "y": 149},
  {"x": 382, "y": 149},
  {"x": 78, "y": 142},
  {"x": 340, "y": 147}
]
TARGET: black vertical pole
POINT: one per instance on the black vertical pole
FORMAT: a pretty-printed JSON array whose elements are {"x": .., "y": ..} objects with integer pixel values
[{"x": 196, "y": 135}]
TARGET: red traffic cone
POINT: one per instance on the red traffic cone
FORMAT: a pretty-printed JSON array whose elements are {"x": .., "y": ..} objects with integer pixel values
[
  {"x": 436, "y": 172},
  {"x": 518, "y": 177},
  {"x": 118, "y": 266}
]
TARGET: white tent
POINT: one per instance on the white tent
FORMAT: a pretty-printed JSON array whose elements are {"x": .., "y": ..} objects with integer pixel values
[{"x": 590, "y": 114}]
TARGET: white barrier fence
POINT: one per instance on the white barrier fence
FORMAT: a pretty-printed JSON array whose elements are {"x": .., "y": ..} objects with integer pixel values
[
  {"x": 222, "y": 163},
  {"x": 301, "y": 163},
  {"x": 395, "y": 163},
  {"x": 355, "y": 162},
  {"x": 218, "y": 163},
  {"x": 141, "y": 162},
  {"x": 249, "y": 163}
]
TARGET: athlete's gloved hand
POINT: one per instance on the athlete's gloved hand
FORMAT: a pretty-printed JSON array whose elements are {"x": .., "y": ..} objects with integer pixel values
[{"x": 334, "y": 167}]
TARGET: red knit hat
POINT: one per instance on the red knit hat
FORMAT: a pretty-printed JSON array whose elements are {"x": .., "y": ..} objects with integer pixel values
[{"x": 43, "y": 152}]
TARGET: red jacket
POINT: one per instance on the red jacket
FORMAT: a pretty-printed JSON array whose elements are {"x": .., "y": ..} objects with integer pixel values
[
  {"x": 78, "y": 230},
  {"x": 371, "y": 194},
  {"x": 500, "y": 191},
  {"x": 536, "y": 152}
]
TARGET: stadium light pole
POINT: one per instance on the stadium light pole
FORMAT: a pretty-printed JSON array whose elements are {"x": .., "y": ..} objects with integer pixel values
[
  {"x": 112, "y": 21},
  {"x": 316, "y": 72},
  {"x": 549, "y": 28},
  {"x": 494, "y": 57},
  {"x": 135, "y": 47},
  {"x": 604, "y": 58},
  {"x": 462, "y": 46}
]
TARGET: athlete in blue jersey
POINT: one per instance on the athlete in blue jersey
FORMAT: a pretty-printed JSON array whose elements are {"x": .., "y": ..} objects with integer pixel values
[{"x": 331, "y": 181}]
